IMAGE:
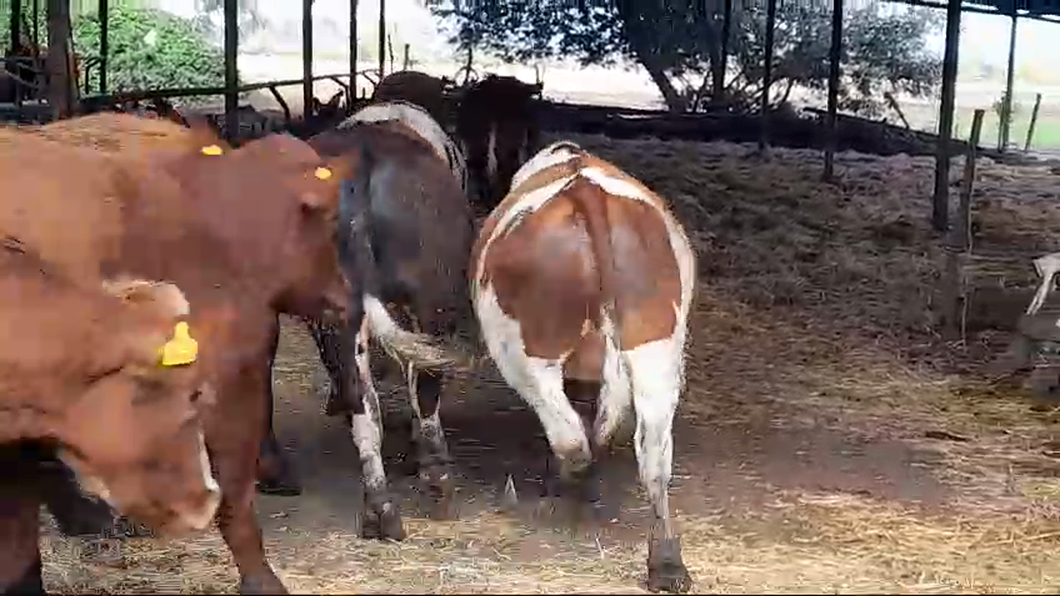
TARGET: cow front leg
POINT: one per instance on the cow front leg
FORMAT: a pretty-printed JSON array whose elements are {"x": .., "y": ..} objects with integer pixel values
[
  {"x": 276, "y": 474},
  {"x": 326, "y": 337},
  {"x": 435, "y": 463},
  {"x": 20, "y": 560}
]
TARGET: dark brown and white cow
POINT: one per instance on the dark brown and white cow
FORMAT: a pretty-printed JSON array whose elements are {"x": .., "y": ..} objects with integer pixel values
[
  {"x": 496, "y": 124},
  {"x": 405, "y": 230},
  {"x": 419, "y": 88},
  {"x": 423, "y": 124},
  {"x": 582, "y": 280}
]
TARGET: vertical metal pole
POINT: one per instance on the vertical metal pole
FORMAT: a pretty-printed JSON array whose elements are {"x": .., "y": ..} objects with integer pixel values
[
  {"x": 382, "y": 38},
  {"x": 104, "y": 43},
  {"x": 231, "y": 10},
  {"x": 15, "y": 26},
  {"x": 835, "y": 55},
  {"x": 1006, "y": 110},
  {"x": 307, "y": 59},
  {"x": 767, "y": 75},
  {"x": 726, "y": 33},
  {"x": 940, "y": 204},
  {"x": 353, "y": 53}
]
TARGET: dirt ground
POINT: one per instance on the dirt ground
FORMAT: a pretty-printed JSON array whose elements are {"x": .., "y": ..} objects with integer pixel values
[{"x": 828, "y": 439}]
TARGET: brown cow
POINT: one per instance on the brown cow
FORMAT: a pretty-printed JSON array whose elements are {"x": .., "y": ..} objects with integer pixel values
[
  {"x": 417, "y": 88},
  {"x": 497, "y": 125},
  {"x": 582, "y": 282},
  {"x": 101, "y": 373},
  {"x": 185, "y": 218}
]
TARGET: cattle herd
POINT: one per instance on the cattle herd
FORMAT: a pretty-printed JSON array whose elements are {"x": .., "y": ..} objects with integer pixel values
[{"x": 142, "y": 289}]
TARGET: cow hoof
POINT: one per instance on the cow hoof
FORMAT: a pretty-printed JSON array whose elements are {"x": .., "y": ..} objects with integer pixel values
[
  {"x": 666, "y": 570},
  {"x": 30, "y": 582},
  {"x": 280, "y": 487},
  {"x": 382, "y": 522},
  {"x": 334, "y": 405},
  {"x": 440, "y": 488},
  {"x": 265, "y": 583}
]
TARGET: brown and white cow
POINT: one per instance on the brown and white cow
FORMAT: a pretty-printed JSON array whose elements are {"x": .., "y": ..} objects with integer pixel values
[
  {"x": 497, "y": 126},
  {"x": 582, "y": 280}
]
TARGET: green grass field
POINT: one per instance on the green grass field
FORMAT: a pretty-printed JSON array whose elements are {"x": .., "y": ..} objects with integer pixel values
[{"x": 1046, "y": 130}]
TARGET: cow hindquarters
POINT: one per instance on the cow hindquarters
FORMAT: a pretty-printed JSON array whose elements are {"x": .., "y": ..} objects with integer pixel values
[{"x": 656, "y": 373}]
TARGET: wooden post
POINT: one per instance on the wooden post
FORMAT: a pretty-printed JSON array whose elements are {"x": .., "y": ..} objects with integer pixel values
[
  {"x": 405, "y": 63},
  {"x": 104, "y": 43},
  {"x": 940, "y": 207},
  {"x": 307, "y": 59},
  {"x": 960, "y": 249},
  {"x": 231, "y": 10},
  {"x": 835, "y": 55},
  {"x": 767, "y": 76},
  {"x": 60, "y": 95},
  {"x": 1006, "y": 108},
  {"x": 726, "y": 33},
  {"x": 15, "y": 30},
  {"x": 1034, "y": 122},
  {"x": 352, "y": 91},
  {"x": 382, "y": 38}
]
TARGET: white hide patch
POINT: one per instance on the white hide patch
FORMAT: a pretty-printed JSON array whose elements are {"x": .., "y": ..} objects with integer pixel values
[
  {"x": 421, "y": 122},
  {"x": 555, "y": 154}
]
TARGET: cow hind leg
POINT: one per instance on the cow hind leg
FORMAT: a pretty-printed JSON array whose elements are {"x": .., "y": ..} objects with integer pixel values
[
  {"x": 382, "y": 518},
  {"x": 326, "y": 338},
  {"x": 276, "y": 474},
  {"x": 435, "y": 463},
  {"x": 656, "y": 374}
]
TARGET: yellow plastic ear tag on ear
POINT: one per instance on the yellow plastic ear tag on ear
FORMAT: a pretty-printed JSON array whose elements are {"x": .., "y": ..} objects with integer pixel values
[
  {"x": 212, "y": 150},
  {"x": 182, "y": 349},
  {"x": 322, "y": 173}
]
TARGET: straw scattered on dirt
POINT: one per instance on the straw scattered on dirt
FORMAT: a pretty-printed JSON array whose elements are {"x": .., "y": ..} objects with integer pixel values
[{"x": 825, "y": 441}]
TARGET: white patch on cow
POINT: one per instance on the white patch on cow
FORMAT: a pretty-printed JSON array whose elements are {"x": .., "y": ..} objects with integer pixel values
[
  {"x": 419, "y": 121},
  {"x": 201, "y": 519},
  {"x": 427, "y": 431},
  {"x": 491, "y": 152},
  {"x": 555, "y": 154},
  {"x": 538, "y": 381},
  {"x": 367, "y": 429}
]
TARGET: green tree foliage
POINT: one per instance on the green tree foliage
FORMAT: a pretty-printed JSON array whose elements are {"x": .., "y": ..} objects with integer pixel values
[
  {"x": 151, "y": 49},
  {"x": 678, "y": 42},
  {"x": 148, "y": 48}
]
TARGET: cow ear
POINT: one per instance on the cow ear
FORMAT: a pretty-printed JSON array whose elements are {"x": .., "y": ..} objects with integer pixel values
[
  {"x": 166, "y": 298},
  {"x": 330, "y": 175}
]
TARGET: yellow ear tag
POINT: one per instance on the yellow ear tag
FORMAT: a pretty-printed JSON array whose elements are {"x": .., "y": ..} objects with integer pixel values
[
  {"x": 212, "y": 150},
  {"x": 182, "y": 349},
  {"x": 322, "y": 173}
]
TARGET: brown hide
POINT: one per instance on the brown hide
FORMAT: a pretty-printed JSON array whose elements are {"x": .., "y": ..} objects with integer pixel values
[{"x": 555, "y": 268}]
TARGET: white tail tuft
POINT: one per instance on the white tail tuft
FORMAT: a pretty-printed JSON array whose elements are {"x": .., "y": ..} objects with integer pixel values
[{"x": 417, "y": 349}]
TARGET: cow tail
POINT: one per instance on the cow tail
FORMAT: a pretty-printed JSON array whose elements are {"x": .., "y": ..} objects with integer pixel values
[
  {"x": 358, "y": 259},
  {"x": 593, "y": 208}
]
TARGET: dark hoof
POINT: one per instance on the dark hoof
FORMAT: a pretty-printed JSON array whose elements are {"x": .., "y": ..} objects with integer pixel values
[
  {"x": 666, "y": 570},
  {"x": 30, "y": 582},
  {"x": 382, "y": 521},
  {"x": 439, "y": 487},
  {"x": 266, "y": 583},
  {"x": 279, "y": 487},
  {"x": 334, "y": 405},
  {"x": 276, "y": 476}
]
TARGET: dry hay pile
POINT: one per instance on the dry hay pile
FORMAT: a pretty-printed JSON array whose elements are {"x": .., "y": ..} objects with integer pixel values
[{"x": 856, "y": 256}]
